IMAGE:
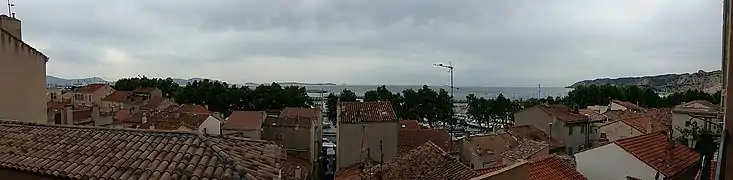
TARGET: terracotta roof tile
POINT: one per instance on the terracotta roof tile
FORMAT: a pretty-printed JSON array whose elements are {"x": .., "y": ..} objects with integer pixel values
[
  {"x": 288, "y": 122},
  {"x": 360, "y": 112},
  {"x": 73, "y": 152},
  {"x": 593, "y": 115},
  {"x": 642, "y": 123},
  {"x": 525, "y": 149},
  {"x": 426, "y": 162},
  {"x": 663, "y": 115},
  {"x": 630, "y": 106},
  {"x": 90, "y": 88},
  {"x": 553, "y": 168},
  {"x": 490, "y": 169},
  {"x": 294, "y": 112},
  {"x": 119, "y": 96},
  {"x": 409, "y": 124},
  {"x": 490, "y": 147},
  {"x": 564, "y": 113},
  {"x": 411, "y": 139},
  {"x": 244, "y": 120},
  {"x": 653, "y": 149},
  {"x": 194, "y": 109},
  {"x": 533, "y": 133}
]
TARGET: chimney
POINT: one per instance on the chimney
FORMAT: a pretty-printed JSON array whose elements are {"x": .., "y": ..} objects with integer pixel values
[
  {"x": 298, "y": 172},
  {"x": 177, "y": 114},
  {"x": 649, "y": 127},
  {"x": 144, "y": 119},
  {"x": 11, "y": 25},
  {"x": 95, "y": 115},
  {"x": 67, "y": 115},
  {"x": 206, "y": 106}
]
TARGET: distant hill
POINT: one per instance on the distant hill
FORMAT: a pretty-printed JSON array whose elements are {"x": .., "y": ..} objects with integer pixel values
[
  {"x": 69, "y": 82},
  {"x": 669, "y": 83}
]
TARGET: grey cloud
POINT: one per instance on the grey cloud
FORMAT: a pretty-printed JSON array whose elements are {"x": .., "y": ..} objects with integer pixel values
[{"x": 492, "y": 43}]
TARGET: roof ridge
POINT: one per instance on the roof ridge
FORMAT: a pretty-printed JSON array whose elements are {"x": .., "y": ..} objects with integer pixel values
[{"x": 15, "y": 122}]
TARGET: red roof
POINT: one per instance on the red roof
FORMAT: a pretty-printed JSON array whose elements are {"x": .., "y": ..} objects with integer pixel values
[
  {"x": 295, "y": 112},
  {"x": 360, "y": 112},
  {"x": 629, "y": 105},
  {"x": 90, "y": 88},
  {"x": 411, "y": 139},
  {"x": 553, "y": 168},
  {"x": 426, "y": 162},
  {"x": 194, "y": 109},
  {"x": 288, "y": 122},
  {"x": 642, "y": 123},
  {"x": 490, "y": 169},
  {"x": 244, "y": 120},
  {"x": 713, "y": 164},
  {"x": 654, "y": 150},
  {"x": 409, "y": 125},
  {"x": 564, "y": 113},
  {"x": 119, "y": 96}
]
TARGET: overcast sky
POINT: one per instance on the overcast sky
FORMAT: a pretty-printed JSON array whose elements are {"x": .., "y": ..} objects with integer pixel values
[{"x": 490, "y": 42}]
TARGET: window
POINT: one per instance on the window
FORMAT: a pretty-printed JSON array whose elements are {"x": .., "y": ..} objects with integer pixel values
[
  {"x": 603, "y": 135},
  {"x": 279, "y": 137},
  {"x": 582, "y": 129},
  {"x": 580, "y": 148},
  {"x": 570, "y": 131},
  {"x": 570, "y": 150}
]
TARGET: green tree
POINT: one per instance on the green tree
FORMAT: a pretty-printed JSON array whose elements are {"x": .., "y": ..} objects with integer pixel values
[
  {"x": 347, "y": 96},
  {"x": 331, "y": 103}
]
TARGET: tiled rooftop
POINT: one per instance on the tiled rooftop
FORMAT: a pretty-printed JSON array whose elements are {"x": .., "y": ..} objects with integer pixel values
[
  {"x": 295, "y": 112},
  {"x": 90, "y": 88},
  {"x": 654, "y": 150},
  {"x": 641, "y": 123},
  {"x": 194, "y": 109},
  {"x": 144, "y": 89},
  {"x": 360, "y": 112},
  {"x": 244, "y": 120},
  {"x": 593, "y": 115},
  {"x": 490, "y": 169},
  {"x": 54, "y": 105},
  {"x": 71, "y": 152},
  {"x": 411, "y": 139},
  {"x": 525, "y": 149},
  {"x": 119, "y": 96},
  {"x": 288, "y": 122},
  {"x": 564, "y": 113},
  {"x": 630, "y": 105},
  {"x": 553, "y": 168},
  {"x": 427, "y": 162},
  {"x": 409, "y": 124},
  {"x": 491, "y": 146},
  {"x": 533, "y": 133}
]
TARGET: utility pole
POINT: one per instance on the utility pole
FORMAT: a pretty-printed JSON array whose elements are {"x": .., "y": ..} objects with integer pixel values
[{"x": 10, "y": 11}]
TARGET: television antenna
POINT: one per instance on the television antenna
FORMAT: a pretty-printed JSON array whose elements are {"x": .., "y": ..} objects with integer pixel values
[{"x": 10, "y": 11}]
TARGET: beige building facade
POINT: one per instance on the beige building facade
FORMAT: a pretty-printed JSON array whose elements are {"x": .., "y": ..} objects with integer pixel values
[
  {"x": 573, "y": 130},
  {"x": 22, "y": 74},
  {"x": 366, "y": 130}
]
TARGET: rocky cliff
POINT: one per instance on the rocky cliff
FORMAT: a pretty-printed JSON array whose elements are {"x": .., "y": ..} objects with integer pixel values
[{"x": 669, "y": 83}]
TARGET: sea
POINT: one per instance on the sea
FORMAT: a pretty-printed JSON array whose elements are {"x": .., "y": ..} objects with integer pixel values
[{"x": 459, "y": 93}]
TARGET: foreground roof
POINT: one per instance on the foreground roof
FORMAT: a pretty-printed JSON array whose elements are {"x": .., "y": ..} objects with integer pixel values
[
  {"x": 553, "y": 168},
  {"x": 411, "y": 139},
  {"x": 360, "y": 112},
  {"x": 525, "y": 149},
  {"x": 564, "y": 113},
  {"x": 73, "y": 152},
  {"x": 655, "y": 150},
  {"x": 426, "y": 162}
]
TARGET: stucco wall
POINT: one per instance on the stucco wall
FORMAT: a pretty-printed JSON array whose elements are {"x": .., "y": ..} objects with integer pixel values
[
  {"x": 288, "y": 137},
  {"x": 23, "y": 76},
  {"x": 541, "y": 119},
  {"x": 533, "y": 116},
  {"x": 679, "y": 119},
  {"x": 349, "y": 137},
  {"x": 210, "y": 126},
  {"x": 610, "y": 162},
  {"x": 618, "y": 130},
  {"x": 53, "y": 95},
  {"x": 615, "y": 107}
]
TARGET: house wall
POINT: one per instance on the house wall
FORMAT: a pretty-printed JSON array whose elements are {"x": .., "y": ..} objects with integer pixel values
[
  {"x": 53, "y": 95},
  {"x": 350, "y": 136},
  {"x": 619, "y": 130},
  {"x": 288, "y": 137},
  {"x": 316, "y": 132},
  {"x": 253, "y": 134},
  {"x": 23, "y": 76},
  {"x": 679, "y": 119},
  {"x": 210, "y": 126},
  {"x": 560, "y": 131},
  {"x": 610, "y": 162}
]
